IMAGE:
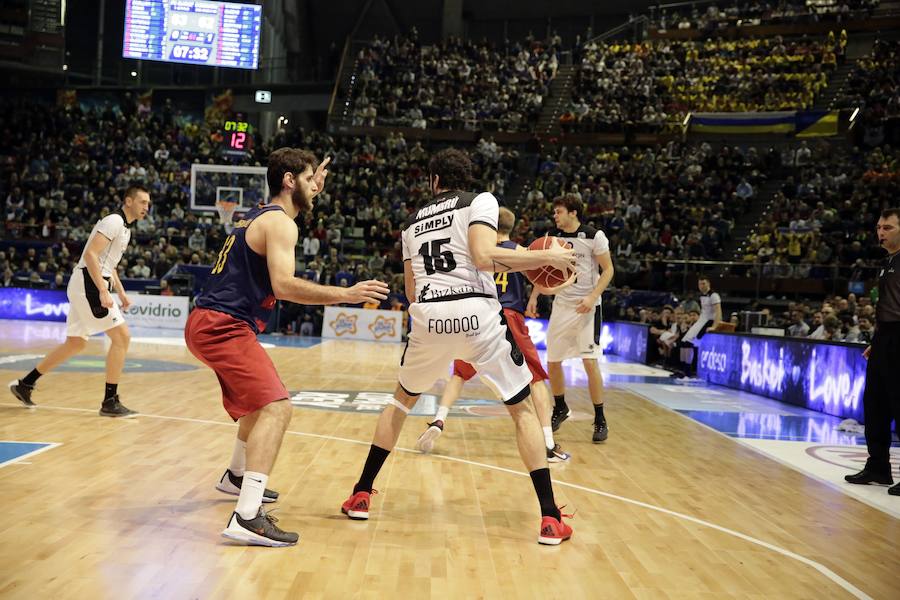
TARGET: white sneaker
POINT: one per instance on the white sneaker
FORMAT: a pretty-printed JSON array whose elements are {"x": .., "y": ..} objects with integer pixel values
[{"x": 425, "y": 443}]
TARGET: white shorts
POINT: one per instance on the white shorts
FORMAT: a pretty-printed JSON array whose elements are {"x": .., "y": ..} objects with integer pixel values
[
  {"x": 86, "y": 316},
  {"x": 469, "y": 329},
  {"x": 571, "y": 334},
  {"x": 696, "y": 330}
]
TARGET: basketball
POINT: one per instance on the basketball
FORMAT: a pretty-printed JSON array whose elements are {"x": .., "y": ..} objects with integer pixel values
[{"x": 546, "y": 276}]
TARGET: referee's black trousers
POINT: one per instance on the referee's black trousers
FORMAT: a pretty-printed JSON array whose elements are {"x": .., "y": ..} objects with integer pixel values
[{"x": 881, "y": 399}]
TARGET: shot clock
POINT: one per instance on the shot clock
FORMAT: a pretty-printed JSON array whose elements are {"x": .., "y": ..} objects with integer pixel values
[{"x": 236, "y": 138}]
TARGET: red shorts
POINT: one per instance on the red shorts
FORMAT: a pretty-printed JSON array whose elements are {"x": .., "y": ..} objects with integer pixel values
[
  {"x": 228, "y": 346},
  {"x": 516, "y": 323}
]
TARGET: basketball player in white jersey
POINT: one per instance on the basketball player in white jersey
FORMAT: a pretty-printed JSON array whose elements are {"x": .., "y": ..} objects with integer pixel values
[
  {"x": 572, "y": 331},
  {"x": 91, "y": 305},
  {"x": 710, "y": 317},
  {"x": 449, "y": 251}
]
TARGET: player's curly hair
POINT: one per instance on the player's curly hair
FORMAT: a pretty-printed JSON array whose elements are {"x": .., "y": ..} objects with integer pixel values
[
  {"x": 287, "y": 160},
  {"x": 571, "y": 203},
  {"x": 453, "y": 167}
]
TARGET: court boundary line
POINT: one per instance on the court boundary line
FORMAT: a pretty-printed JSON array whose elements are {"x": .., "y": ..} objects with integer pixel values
[
  {"x": 740, "y": 442},
  {"x": 18, "y": 459},
  {"x": 828, "y": 573}
]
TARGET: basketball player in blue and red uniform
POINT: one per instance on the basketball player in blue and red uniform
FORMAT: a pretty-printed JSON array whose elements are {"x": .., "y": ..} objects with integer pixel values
[
  {"x": 254, "y": 268},
  {"x": 511, "y": 293}
]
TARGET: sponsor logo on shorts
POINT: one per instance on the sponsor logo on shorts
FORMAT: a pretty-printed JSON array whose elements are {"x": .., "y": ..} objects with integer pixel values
[
  {"x": 367, "y": 402},
  {"x": 383, "y": 326},
  {"x": 430, "y": 294},
  {"x": 344, "y": 324},
  {"x": 454, "y": 325}
]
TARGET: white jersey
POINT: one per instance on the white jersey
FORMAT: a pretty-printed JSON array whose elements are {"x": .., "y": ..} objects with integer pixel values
[
  {"x": 114, "y": 228},
  {"x": 588, "y": 243},
  {"x": 708, "y": 304},
  {"x": 436, "y": 240}
]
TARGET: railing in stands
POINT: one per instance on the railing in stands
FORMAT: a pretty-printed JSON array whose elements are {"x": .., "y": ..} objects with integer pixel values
[{"x": 752, "y": 280}]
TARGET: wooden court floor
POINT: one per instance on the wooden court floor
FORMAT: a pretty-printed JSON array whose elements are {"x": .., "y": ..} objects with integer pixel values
[{"x": 666, "y": 508}]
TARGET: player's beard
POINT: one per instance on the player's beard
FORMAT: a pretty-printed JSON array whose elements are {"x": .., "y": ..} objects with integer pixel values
[{"x": 301, "y": 201}]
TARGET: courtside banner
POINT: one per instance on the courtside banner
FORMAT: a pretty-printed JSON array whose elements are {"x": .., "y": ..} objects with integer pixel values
[
  {"x": 164, "y": 312},
  {"x": 34, "y": 305},
  {"x": 362, "y": 324}
]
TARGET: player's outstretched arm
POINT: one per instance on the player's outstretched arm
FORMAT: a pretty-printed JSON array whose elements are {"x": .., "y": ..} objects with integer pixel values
[
  {"x": 281, "y": 238},
  {"x": 492, "y": 258}
]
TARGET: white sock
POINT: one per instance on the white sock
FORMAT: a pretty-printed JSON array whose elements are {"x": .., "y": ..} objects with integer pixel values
[
  {"x": 251, "y": 494},
  {"x": 442, "y": 413},
  {"x": 548, "y": 437},
  {"x": 238, "y": 458}
]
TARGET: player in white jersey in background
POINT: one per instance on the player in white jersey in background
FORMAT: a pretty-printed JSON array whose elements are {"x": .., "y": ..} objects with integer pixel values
[
  {"x": 571, "y": 332},
  {"x": 449, "y": 251},
  {"x": 91, "y": 305},
  {"x": 710, "y": 317}
]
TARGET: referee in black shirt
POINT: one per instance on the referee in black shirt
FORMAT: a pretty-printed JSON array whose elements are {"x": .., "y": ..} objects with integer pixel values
[{"x": 881, "y": 400}]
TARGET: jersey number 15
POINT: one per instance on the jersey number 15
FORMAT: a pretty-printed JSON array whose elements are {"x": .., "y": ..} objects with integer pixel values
[{"x": 435, "y": 259}]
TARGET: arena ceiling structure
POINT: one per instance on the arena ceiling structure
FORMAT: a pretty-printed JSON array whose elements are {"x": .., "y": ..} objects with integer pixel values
[{"x": 304, "y": 35}]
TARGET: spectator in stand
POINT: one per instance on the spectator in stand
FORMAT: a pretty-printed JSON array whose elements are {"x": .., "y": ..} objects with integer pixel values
[{"x": 799, "y": 327}]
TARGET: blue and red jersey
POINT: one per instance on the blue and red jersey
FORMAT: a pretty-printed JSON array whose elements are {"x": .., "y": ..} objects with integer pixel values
[
  {"x": 239, "y": 283},
  {"x": 511, "y": 286}
]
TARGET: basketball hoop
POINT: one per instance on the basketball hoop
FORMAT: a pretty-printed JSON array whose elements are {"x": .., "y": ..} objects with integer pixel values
[{"x": 226, "y": 209}]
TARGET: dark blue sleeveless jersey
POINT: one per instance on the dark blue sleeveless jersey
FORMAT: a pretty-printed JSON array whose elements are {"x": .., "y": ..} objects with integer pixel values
[
  {"x": 511, "y": 286},
  {"x": 239, "y": 283}
]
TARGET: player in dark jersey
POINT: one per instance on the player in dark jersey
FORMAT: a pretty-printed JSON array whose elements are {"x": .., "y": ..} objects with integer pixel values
[
  {"x": 511, "y": 293},
  {"x": 254, "y": 267}
]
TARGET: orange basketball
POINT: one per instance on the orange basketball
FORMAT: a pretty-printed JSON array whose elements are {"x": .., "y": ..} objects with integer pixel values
[{"x": 545, "y": 276}]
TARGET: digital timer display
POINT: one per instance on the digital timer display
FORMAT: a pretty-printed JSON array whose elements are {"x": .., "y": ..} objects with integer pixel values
[
  {"x": 199, "y": 32},
  {"x": 236, "y": 136}
]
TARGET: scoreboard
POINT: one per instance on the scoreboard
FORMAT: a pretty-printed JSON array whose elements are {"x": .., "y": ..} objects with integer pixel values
[{"x": 198, "y": 32}]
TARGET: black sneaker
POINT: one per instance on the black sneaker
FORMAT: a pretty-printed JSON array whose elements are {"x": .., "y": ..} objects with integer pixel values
[
  {"x": 22, "y": 392},
  {"x": 113, "y": 408},
  {"x": 231, "y": 484},
  {"x": 558, "y": 417},
  {"x": 556, "y": 454},
  {"x": 259, "y": 531},
  {"x": 601, "y": 432},
  {"x": 425, "y": 443},
  {"x": 894, "y": 490}
]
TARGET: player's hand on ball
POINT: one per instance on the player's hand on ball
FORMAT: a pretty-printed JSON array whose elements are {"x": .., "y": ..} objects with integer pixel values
[
  {"x": 367, "y": 291},
  {"x": 560, "y": 257},
  {"x": 106, "y": 300},
  {"x": 549, "y": 291}
]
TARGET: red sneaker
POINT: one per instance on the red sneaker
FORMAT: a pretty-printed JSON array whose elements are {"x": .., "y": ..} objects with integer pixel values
[
  {"x": 554, "y": 532},
  {"x": 357, "y": 506}
]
